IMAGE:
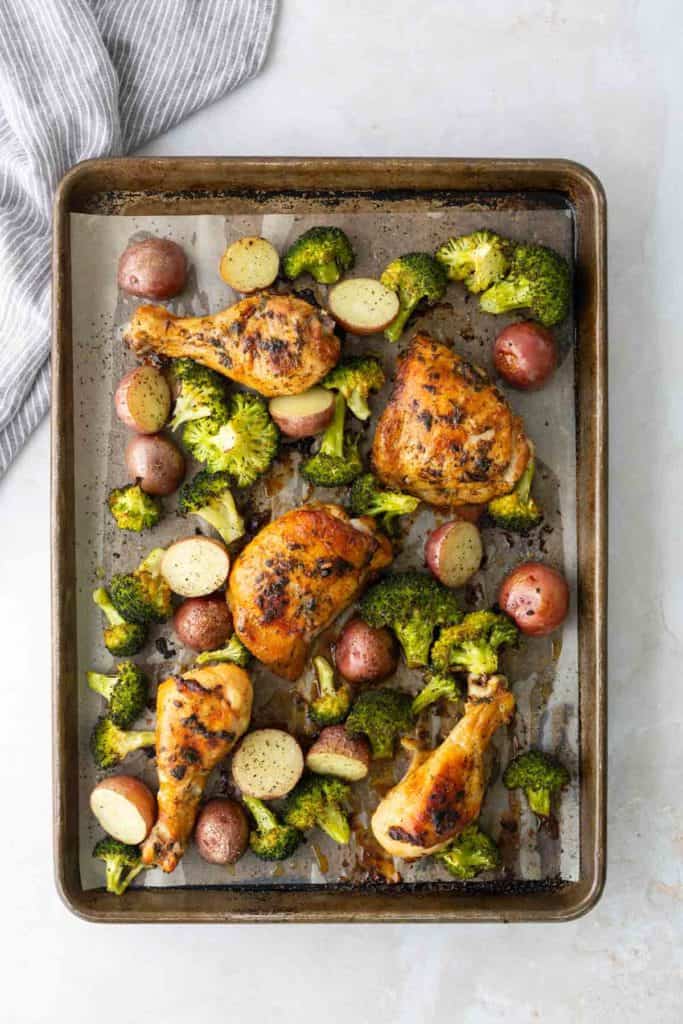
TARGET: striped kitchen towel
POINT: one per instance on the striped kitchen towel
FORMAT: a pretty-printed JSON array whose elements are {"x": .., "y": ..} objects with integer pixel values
[{"x": 81, "y": 79}]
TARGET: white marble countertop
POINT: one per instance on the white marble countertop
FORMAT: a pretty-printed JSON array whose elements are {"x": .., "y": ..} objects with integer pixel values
[{"x": 598, "y": 81}]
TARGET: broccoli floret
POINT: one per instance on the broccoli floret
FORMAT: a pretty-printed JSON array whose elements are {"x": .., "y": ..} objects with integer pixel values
[
  {"x": 121, "y": 638},
  {"x": 323, "y": 252},
  {"x": 539, "y": 775},
  {"x": 316, "y": 801},
  {"x": 126, "y": 692},
  {"x": 209, "y": 497},
  {"x": 200, "y": 392},
  {"x": 109, "y": 744},
  {"x": 412, "y": 604},
  {"x": 143, "y": 596},
  {"x": 415, "y": 277},
  {"x": 234, "y": 651},
  {"x": 332, "y": 706},
  {"x": 355, "y": 378},
  {"x": 338, "y": 461},
  {"x": 437, "y": 686},
  {"x": 243, "y": 442},
  {"x": 470, "y": 854},
  {"x": 517, "y": 512},
  {"x": 382, "y": 715},
  {"x": 472, "y": 646},
  {"x": 480, "y": 259},
  {"x": 538, "y": 280},
  {"x": 123, "y": 863},
  {"x": 271, "y": 840},
  {"x": 369, "y": 499},
  {"x": 134, "y": 510}
]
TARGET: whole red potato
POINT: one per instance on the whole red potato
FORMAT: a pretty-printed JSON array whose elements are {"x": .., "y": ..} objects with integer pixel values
[
  {"x": 204, "y": 623},
  {"x": 536, "y": 597},
  {"x": 525, "y": 354},
  {"x": 156, "y": 462},
  {"x": 153, "y": 269},
  {"x": 364, "y": 654}
]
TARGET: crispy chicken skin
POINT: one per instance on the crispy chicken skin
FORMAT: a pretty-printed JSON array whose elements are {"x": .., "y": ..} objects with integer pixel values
[
  {"x": 447, "y": 435},
  {"x": 200, "y": 717},
  {"x": 296, "y": 576},
  {"x": 275, "y": 344},
  {"x": 442, "y": 791}
]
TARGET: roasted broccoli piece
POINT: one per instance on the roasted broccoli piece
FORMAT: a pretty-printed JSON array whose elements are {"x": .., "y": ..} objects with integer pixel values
[
  {"x": 317, "y": 801},
  {"x": 539, "y": 775},
  {"x": 332, "y": 706},
  {"x": 438, "y": 685},
  {"x": 242, "y": 442},
  {"x": 416, "y": 278},
  {"x": 271, "y": 840},
  {"x": 470, "y": 854},
  {"x": 355, "y": 378},
  {"x": 517, "y": 511},
  {"x": 338, "y": 461},
  {"x": 538, "y": 280},
  {"x": 472, "y": 646},
  {"x": 121, "y": 638},
  {"x": 123, "y": 863},
  {"x": 480, "y": 259},
  {"x": 109, "y": 744},
  {"x": 200, "y": 392},
  {"x": 143, "y": 596},
  {"x": 369, "y": 499},
  {"x": 209, "y": 496},
  {"x": 234, "y": 651},
  {"x": 412, "y": 604},
  {"x": 382, "y": 715},
  {"x": 126, "y": 692},
  {"x": 323, "y": 252},
  {"x": 134, "y": 510}
]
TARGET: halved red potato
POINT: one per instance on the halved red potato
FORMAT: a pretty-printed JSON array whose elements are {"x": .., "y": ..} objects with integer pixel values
[
  {"x": 362, "y": 305},
  {"x": 250, "y": 264},
  {"x": 195, "y": 566},
  {"x": 142, "y": 400},
  {"x": 454, "y": 551},
  {"x": 303, "y": 415},
  {"x": 267, "y": 764},
  {"x": 337, "y": 753},
  {"x": 125, "y": 808},
  {"x": 156, "y": 462}
]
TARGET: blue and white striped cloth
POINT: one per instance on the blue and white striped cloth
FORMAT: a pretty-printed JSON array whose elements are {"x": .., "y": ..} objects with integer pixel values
[{"x": 81, "y": 79}]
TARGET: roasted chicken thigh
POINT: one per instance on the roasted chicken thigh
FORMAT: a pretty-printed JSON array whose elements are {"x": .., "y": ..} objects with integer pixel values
[
  {"x": 275, "y": 344},
  {"x": 447, "y": 435}
]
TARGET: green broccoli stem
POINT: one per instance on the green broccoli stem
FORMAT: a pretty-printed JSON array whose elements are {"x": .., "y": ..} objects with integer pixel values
[
  {"x": 102, "y": 684},
  {"x": 325, "y": 676},
  {"x": 103, "y": 601},
  {"x": 227, "y": 521},
  {"x": 415, "y": 637},
  {"x": 333, "y": 438},
  {"x": 395, "y": 328},
  {"x": 326, "y": 273},
  {"x": 436, "y": 688},
  {"x": 359, "y": 405},
  {"x": 134, "y": 739},
  {"x": 333, "y": 821},
  {"x": 523, "y": 488},
  {"x": 539, "y": 801},
  {"x": 503, "y": 297},
  {"x": 262, "y": 815},
  {"x": 117, "y": 882}
]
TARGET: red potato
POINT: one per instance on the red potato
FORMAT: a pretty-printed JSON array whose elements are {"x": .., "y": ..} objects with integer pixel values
[
  {"x": 195, "y": 566},
  {"x": 454, "y": 551},
  {"x": 125, "y": 808},
  {"x": 153, "y": 269},
  {"x": 250, "y": 264},
  {"x": 303, "y": 415},
  {"x": 536, "y": 596},
  {"x": 155, "y": 462},
  {"x": 204, "y": 623},
  {"x": 267, "y": 764},
  {"x": 470, "y": 513},
  {"x": 336, "y": 753},
  {"x": 364, "y": 654},
  {"x": 525, "y": 354},
  {"x": 222, "y": 831},
  {"x": 363, "y": 305},
  {"x": 142, "y": 400}
]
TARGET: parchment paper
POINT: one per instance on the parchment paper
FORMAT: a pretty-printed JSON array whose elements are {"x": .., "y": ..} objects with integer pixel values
[{"x": 544, "y": 673}]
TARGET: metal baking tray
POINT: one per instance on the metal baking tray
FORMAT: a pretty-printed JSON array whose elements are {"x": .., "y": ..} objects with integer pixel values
[{"x": 121, "y": 187}]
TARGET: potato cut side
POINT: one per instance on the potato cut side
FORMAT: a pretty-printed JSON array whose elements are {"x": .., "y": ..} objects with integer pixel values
[
  {"x": 124, "y": 807},
  {"x": 363, "y": 305},
  {"x": 303, "y": 415},
  {"x": 336, "y": 753},
  {"x": 250, "y": 264},
  {"x": 143, "y": 400},
  {"x": 341, "y": 765},
  {"x": 267, "y": 764},
  {"x": 195, "y": 566}
]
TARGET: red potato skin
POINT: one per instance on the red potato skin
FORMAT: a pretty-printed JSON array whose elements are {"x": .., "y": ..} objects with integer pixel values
[
  {"x": 365, "y": 655},
  {"x": 156, "y": 462},
  {"x": 470, "y": 513},
  {"x": 304, "y": 426},
  {"x": 222, "y": 831},
  {"x": 335, "y": 740},
  {"x": 153, "y": 269},
  {"x": 121, "y": 400},
  {"x": 525, "y": 354},
  {"x": 203, "y": 623},
  {"x": 536, "y": 597},
  {"x": 136, "y": 792}
]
